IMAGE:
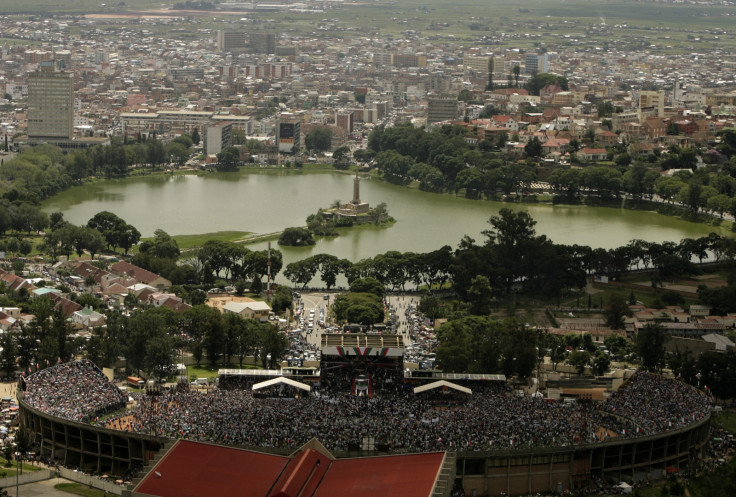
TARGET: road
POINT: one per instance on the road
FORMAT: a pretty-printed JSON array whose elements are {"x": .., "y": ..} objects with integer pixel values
[{"x": 317, "y": 303}]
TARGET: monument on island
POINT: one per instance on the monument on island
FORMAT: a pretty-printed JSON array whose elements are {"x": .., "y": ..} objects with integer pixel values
[{"x": 355, "y": 206}]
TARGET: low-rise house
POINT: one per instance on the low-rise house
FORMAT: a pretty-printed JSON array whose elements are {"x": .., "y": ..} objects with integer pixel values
[
  {"x": 250, "y": 310},
  {"x": 7, "y": 322},
  {"x": 13, "y": 282},
  {"x": 699, "y": 310},
  {"x": 593, "y": 154},
  {"x": 68, "y": 307},
  {"x": 142, "y": 275},
  {"x": 45, "y": 292},
  {"x": 88, "y": 318},
  {"x": 157, "y": 299}
]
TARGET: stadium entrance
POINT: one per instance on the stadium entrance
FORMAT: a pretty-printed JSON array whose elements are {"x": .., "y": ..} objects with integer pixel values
[{"x": 362, "y": 363}]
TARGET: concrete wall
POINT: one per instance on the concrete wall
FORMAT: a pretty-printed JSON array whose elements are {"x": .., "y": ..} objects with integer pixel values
[
  {"x": 27, "y": 477},
  {"x": 91, "y": 481}
]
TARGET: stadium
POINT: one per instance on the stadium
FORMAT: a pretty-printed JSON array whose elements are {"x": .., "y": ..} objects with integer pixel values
[{"x": 362, "y": 402}]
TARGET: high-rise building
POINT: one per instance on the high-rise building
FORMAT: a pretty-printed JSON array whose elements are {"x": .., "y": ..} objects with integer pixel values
[
  {"x": 536, "y": 63},
  {"x": 217, "y": 138},
  {"x": 50, "y": 105},
  {"x": 230, "y": 40},
  {"x": 102, "y": 57},
  {"x": 654, "y": 99},
  {"x": 345, "y": 120},
  {"x": 441, "y": 109},
  {"x": 263, "y": 43},
  {"x": 288, "y": 137},
  {"x": 409, "y": 60}
]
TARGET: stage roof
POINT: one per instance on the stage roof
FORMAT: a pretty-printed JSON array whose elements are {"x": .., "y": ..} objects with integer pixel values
[
  {"x": 194, "y": 469},
  {"x": 439, "y": 384},
  {"x": 361, "y": 340},
  {"x": 362, "y": 345},
  {"x": 282, "y": 381}
]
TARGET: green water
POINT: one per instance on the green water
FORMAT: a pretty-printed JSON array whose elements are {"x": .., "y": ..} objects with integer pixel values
[{"x": 267, "y": 201}]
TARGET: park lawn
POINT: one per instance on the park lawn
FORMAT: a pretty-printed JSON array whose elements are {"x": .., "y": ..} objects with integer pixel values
[
  {"x": 192, "y": 241},
  {"x": 644, "y": 294},
  {"x": 206, "y": 371},
  {"x": 6, "y": 472},
  {"x": 79, "y": 489},
  {"x": 726, "y": 420}
]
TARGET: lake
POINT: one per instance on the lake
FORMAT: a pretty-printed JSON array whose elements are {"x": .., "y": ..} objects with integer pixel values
[{"x": 265, "y": 201}]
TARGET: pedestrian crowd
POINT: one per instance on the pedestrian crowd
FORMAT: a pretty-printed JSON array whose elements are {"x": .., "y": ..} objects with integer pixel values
[
  {"x": 394, "y": 416},
  {"x": 77, "y": 391}
]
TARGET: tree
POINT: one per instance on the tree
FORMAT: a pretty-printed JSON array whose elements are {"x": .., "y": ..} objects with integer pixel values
[
  {"x": 162, "y": 246},
  {"x": 605, "y": 109},
  {"x": 177, "y": 152},
  {"x": 540, "y": 80},
  {"x": 615, "y": 312},
  {"x": 22, "y": 444},
  {"x": 517, "y": 71},
  {"x": 368, "y": 285},
  {"x": 155, "y": 153},
  {"x": 480, "y": 295},
  {"x": 195, "y": 136},
  {"x": 319, "y": 139},
  {"x": 489, "y": 85},
  {"x": 8, "y": 354},
  {"x": 650, "y": 342},
  {"x": 160, "y": 356},
  {"x": 341, "y": 153},
  {"x": 229, "y": 159},
  {"x": 272, "y": 344},
  {"x": 112, "y": 228},
  {"x": 601, "y": 363},
  {"x": 533, "y": 148},
  {"x": 296, "y": 237},
  {"x": 282, "y": 300},
  {"x": 126, "y": 236},
  {"x": 579, "y": 360},
  {"x": 244, "y": 334}
]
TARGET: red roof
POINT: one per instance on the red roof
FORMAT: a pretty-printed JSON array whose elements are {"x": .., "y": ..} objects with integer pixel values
[
  {"x": 407, "y": 475},
  {"x": 128, "y": 269},
  {"x": 195, "y": 469}
]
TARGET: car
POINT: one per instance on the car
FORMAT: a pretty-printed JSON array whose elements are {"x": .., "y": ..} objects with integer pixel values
[
  {"x": 297, "y": 295},
  {"x": 326, "y": 297}
]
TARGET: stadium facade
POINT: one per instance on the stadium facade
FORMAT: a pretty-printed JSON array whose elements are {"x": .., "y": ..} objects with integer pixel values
[{"x": 511, "y": 471}]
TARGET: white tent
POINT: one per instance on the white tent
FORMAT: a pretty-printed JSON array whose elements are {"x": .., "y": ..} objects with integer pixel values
[
  {"x": 625, "y": 487},
  {"x": 281, "y": 380},
  {"x": 442, "y": 383}
]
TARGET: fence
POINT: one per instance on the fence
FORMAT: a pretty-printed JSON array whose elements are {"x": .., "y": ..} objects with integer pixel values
[
  {"x": 91, "y": 481},
  {"x": 26, "y": 477}
]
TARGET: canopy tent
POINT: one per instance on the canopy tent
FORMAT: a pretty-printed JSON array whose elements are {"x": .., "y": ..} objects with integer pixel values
[
  {"x": 281, "y": 380},
  {"x": 442, "y": 383}
]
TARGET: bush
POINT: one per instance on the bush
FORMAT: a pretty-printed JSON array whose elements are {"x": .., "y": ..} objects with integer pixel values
[{"x": 296, "y": 237}]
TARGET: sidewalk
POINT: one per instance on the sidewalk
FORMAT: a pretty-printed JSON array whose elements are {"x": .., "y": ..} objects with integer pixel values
[{"x": 40, "y": 489}]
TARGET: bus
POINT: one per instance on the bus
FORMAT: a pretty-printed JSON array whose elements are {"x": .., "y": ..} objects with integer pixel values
[{"x": 135, "y": 382}]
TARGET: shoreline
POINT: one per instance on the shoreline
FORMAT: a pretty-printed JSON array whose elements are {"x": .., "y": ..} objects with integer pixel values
[{"x": 549, "y": 199}]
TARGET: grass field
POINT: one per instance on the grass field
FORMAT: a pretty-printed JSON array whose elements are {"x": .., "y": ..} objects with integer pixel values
[
  {"x": 204, "y": 371},
  {"x": 191, "y": 241},
  {"x": 83, "y": 490},
  {"x": 8, "y": 471},
  {"x": 525, "y": 23}
]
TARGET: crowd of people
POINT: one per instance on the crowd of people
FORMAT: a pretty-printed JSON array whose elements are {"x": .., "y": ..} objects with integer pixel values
[
  {"x": 654, "y": 403},
  {"x": 77, "y": 391},
  {"x": 394, "y": 416},
  {"x": 490, "y": 418}
]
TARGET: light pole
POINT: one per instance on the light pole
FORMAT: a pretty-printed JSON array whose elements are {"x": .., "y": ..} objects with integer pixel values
[{"x": 17, "y": 469}]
